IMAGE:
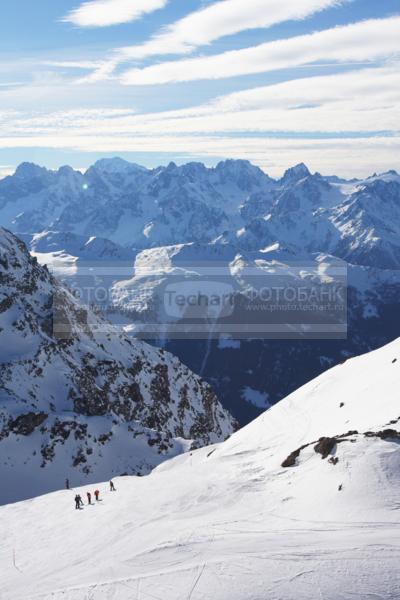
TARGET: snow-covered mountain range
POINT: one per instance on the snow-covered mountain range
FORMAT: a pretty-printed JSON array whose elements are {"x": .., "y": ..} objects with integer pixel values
[
  {"x": 141, "y": 208},
  {"x": 144, "y": 224},
  {"x": 86, "y": 404},
  {"x": 301, "y": 504}
]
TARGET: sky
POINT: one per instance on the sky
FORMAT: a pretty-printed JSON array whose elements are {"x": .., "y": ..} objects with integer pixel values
[{"x": 276, "y": 82}]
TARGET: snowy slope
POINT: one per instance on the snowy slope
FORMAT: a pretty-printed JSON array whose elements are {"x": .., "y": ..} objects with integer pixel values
[
  {"x": 91, "y": 404},
  {"x": 358, "y": 222},
  {"x": 229, "y": 521},
  {"x": 49, "y": 244}
]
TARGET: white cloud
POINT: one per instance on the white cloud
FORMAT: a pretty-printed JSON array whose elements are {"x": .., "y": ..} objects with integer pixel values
[
  {"x": 367, "y": 100},
  {"x": 353, "y": 108},
  {"x": 221, "y": 19},
  {"x": 72, "y": 64},
  {"x": 6, "y": 170},
  {"x": 370, "y": 40},
  {"x": 10, "y": 84},
  {"x": 374, "y": 87},
  {"x": 204, "y": 26},
  {"x": 102, "y": 13}
]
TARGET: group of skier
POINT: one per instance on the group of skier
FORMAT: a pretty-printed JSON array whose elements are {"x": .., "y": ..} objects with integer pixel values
[{"x": 78, "y": 497}]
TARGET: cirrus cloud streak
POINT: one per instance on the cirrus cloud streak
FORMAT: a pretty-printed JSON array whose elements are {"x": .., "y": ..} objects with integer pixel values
[
  {"x": 370, "y": 40},
  {"x": 358, "y": 114},
  {"x": 220, "y": 19},
  {"x": 217, "y": 20}
]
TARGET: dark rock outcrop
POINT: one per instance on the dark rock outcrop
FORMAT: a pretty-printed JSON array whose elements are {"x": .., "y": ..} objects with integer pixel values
[{"x": 27, "y": 423}]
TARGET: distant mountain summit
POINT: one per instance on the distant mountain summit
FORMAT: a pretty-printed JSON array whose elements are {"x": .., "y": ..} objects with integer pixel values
[
  {"x": 295, "y": 173},
  {"x": 117, "y": 165}
]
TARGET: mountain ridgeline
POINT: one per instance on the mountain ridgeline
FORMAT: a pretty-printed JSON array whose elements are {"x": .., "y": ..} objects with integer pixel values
[{"x": 135, "y": 207}]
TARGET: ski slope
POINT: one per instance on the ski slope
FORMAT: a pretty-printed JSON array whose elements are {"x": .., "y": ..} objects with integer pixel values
[{"x": 228, "y": 522}]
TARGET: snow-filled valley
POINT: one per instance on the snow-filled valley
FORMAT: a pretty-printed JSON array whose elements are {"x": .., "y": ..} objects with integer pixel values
[{"x": 301, "y": 504}]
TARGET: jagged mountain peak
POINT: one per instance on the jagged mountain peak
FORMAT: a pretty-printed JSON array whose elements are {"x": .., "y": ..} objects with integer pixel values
[
  {"x": 67, "y": 171},
  {"x": 117, "y": 165},
  {"x": 239, "y": 167},
  {"x": 194, "y": 169},
  {"x": 387, "y": 176},
  {"x": 235, "y": 164},
  {"x": 28, "y": 170},
  {"x": 295, "y": 173}
]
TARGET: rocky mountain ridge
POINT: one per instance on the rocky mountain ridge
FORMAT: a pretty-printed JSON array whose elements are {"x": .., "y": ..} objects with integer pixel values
[{"x": 79, "y": 401}]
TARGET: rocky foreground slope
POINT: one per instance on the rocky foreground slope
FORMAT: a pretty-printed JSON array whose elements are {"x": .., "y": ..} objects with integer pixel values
[
  {"x": 301, "y": 504},
  {"x": 89, "y": 404}
]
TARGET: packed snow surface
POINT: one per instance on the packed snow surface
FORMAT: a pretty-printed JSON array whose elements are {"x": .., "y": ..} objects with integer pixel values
[{"x": 228, "y": 522}]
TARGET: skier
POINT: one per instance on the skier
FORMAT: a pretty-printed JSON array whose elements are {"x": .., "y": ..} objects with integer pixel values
[
  {"x": 67, "y": 484},
  {"x": 89, "y": 497},
  {"x": 96, "y": 495},
  {"x": 112, "y": 487},
  {"x": 78, "y": 502}
]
